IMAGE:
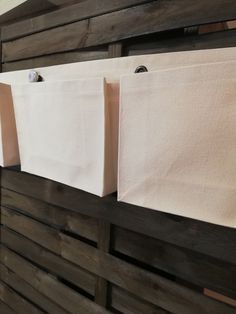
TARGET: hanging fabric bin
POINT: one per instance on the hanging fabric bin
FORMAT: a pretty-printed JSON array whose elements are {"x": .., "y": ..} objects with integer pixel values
[
  {"x": 112, "y": 70},
  {"x": 9, "y": 152},
  {"x": 68, "y": 132},
  {"x": 177, "y": 146}
]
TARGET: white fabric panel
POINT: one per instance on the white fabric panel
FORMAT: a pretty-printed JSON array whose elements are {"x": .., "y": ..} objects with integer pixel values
[
  {"x": 65, "y": 135},
  {"x": 177, "y": 150}
]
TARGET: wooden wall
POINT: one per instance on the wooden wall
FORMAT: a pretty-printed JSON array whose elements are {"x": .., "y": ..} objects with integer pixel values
[
  {"x": 94, "y": 29},
  {"x": 67, "y": 251},
  {"x": 64, "y": 248}
]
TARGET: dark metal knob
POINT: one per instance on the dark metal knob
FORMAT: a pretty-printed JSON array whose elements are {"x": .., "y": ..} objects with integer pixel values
[{"x": 141, "y": 69}]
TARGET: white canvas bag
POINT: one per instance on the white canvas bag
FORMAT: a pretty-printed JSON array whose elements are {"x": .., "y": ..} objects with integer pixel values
[
  {"x": 68, "y": 132},
  {"x": 177, "y": 150},
  {"x": 111, "y": 69},
  {"x": 9, "y": 153}
]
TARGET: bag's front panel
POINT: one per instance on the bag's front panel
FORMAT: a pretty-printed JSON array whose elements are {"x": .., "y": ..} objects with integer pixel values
[
  {"x": 61, "y": 129},
  {"x": 178, "y": 142}
]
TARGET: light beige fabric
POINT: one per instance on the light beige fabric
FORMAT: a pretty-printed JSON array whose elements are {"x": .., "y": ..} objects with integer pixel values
[
  {"x": 112, "y": 70},
  {"x": 68, "y": 132},
  {"x": 177, "y": 150},
  {"x": 9, "y": 153}
]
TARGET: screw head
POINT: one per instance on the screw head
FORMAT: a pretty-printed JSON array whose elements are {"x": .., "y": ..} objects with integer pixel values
[{"x": 33, "y": 76}]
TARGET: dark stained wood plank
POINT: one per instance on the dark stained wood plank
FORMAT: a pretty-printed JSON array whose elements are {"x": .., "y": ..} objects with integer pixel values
[
  {"x": 196, "y": 268},
  {"x": 54, "y": 264},
  {"x": 48, "y": 285},
  {"x": 22, "y": 287},
  {"x": 26, "y": 10},
  {"x": 58, "y": 58},
  {"x": 127, "y": 303},
  {"x": 101, "y": 291},
  {"x": 212, "y": 240},
  {"x": 5, "y": 309},
  {"x": 152, "y": 288},
  {"x": 37, "y": 232},
  {"x": 144, "y": 19},
  {"x": 181, "y": 43},
  {"x": 61, "y": 218},
  {"x": 16, "y": 302},
  {"x": 69, "y": 14},
  {"x": 115, "y": 50}
]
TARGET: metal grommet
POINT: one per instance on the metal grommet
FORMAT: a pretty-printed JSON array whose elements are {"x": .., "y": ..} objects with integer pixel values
[
  {"x": 141, "y": 69},
  {"x": 34, "y": 76}
]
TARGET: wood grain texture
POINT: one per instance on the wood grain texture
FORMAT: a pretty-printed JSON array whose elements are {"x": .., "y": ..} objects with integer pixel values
[
  {"x": 127, "y": 303},
  {"x": 79, "y": 11},
  {"x": 26, "y": 10},
  {"x": 198, "y": 269},
  {"x": 26, "y": 290},
  {"x": 48, "y": 285},
  {"x": 153, "y": 288},
  {"x": 101, "y": 289},
  {"x": 144, "y": 19},
  {"x": 17, "y": 302},
  {"x": 5, "y": 309},
  {"x": 58, "y": 217},
  {"x": 59, "y": 58},
  {"x": 115, "y": 50},
  {"x": 201, "y": 237},
  {"x": 49, "y": 261}
]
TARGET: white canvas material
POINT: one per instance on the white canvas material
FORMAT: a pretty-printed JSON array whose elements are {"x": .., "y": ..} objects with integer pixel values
[
  {"x": 177, "y": 145},
  {"x": 68, "y": 132},
  {"x": 112, "y": 70},
  {"x": 9, "y": 152}
]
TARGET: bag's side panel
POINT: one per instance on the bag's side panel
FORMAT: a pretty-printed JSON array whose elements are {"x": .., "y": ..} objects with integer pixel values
[{"x": 10, "y": 150}]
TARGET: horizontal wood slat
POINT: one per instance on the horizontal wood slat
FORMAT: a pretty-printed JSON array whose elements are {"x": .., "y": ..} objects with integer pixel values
[
  {"x": 61, "y": 218},
  {"x": 193, "y": 267},
  {"x": 201, "y": 237},
  {"x": 181, "y": 43},
  {"x": 25, "y": 10},
  {"x": 48, "y": 285},
  {"x": 127, "y": 303},
  {"x": 144, "y": 19},
  {"x": 16, "y": 302},
  {"x": 58, "y": 58},
  {"x": 199, "y": 269},
  {"x": 5, "y": 309},
  {"x": 153, "y": 288},
  {"x": 160, "y": 45},
  {"x": 44, "y": 258},
  {"x": 66, "y": 15},
  {"x": 25, "y": 289}
]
